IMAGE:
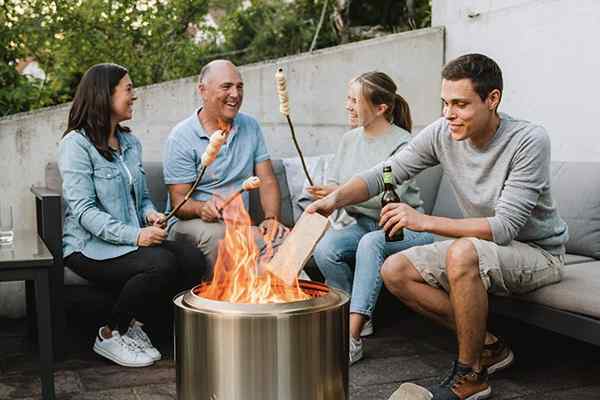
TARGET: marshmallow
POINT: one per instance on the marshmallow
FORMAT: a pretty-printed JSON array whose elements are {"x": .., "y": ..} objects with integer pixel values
[{"x": 284, "y": 106}]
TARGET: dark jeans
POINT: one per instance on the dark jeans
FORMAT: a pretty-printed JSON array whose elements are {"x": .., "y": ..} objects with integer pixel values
[{"x": 144, "y": 280}]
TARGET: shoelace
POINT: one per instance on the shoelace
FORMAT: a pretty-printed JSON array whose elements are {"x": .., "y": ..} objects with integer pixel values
[
  {"x": 137, "y": 334},
  {"x": 131, "y": 344},
  {"x": 449, "y": 380}
]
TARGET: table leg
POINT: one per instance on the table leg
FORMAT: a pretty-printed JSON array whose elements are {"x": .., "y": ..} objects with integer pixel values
[
  {"x": 31, "y": 311},
  {"x": 42, "y": 297}
]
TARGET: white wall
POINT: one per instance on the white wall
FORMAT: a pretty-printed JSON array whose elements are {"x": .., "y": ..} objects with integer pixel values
[
  {"x": 548, "y": 51},
  {"x": 317, "y": 90}
]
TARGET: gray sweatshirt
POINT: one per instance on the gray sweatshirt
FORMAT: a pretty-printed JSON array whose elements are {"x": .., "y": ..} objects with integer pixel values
[
  {"x": 357, "y": 152},
  {"x": 508, "y": 182}
]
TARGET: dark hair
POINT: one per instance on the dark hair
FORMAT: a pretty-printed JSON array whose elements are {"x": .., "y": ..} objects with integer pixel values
[
  {"x": 91, "y": 108},
  {"x": 379, "y": 88},
  {"x": 483, "y": 72}
]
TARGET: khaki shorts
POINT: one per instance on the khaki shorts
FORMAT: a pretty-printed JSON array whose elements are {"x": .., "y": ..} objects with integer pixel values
[{"x": 514, "y": 269}]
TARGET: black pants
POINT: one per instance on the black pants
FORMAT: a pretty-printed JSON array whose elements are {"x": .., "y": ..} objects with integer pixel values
[{"x": 145, "y": 280}]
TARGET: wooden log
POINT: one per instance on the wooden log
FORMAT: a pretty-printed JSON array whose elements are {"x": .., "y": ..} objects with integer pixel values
[{"x": 297, "y": 248}]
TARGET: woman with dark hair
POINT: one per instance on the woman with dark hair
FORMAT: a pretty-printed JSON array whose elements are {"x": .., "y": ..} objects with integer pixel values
[
  {"x": 113, "y": 236},
  {"x": 383, "y": 124}
]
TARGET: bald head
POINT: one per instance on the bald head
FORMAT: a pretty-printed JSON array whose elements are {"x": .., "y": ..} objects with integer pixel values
[
  {"x": 221, "y": 88},
  {"x": 215, "y": 66}
]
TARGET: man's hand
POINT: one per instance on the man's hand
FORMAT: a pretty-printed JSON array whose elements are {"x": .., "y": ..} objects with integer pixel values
[
  {"x": 324, "y": 206},
  {"x": 272, "y": 230},
  {"x": 207, "y": 211},
  {"x": 156, "y": 219},
  {"x": 320, "y": 191},
  {"x": 395, "y": 216},
  {"x": 151, "y": 236}
]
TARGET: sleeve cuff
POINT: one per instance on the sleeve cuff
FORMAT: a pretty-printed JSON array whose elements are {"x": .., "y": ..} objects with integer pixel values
[
  {"x": 261, "y": 158},
  {"x": 498, "y": 235},
  {"x": 130, "y": 235},
  {"x": 371, "y": 177},
  {"x": 185, "y": 179}
]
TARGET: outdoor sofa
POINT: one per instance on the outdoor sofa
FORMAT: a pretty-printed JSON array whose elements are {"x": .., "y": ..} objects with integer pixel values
[{"x": 571, "y": 307}]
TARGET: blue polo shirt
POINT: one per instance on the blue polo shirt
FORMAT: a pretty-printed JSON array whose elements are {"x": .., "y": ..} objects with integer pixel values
[{"x": 245, "y": 147}]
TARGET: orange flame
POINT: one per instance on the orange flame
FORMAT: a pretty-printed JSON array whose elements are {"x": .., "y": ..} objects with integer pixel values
[{"x": 240, "y": 274}]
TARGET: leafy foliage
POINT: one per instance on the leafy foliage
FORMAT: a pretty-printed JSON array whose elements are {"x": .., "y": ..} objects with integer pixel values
[{"x": 153, "y": 38}]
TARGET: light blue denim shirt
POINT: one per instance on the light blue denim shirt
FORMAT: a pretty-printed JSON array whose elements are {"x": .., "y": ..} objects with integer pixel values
[
  {"x": 245, "y": 147},
  {"x": 102, "y": 219}
]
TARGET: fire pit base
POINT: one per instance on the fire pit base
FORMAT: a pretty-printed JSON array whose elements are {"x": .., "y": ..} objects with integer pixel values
[{"x": 286, "y": 351}]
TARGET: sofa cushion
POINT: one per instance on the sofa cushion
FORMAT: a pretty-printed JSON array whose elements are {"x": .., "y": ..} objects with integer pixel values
[
  {"x": 576, "y": 190},
  {"x": 577, "y": 292},
  {"x": 286, "y": 213}
]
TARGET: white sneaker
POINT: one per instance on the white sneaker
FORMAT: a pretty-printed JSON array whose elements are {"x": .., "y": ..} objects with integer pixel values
[
  {"x": 136, "y": 333},
  {"x": 367, "y": 328},
  {"x": 356, "y": 350},
  {"x": 122, "y": 350}
]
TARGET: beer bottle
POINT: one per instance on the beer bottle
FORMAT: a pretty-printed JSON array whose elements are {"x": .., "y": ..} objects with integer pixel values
[{"x": 390, "y": 196}]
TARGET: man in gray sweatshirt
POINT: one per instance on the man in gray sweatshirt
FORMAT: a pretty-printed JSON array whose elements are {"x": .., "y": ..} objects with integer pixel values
[{"x": 511, "y": 239}]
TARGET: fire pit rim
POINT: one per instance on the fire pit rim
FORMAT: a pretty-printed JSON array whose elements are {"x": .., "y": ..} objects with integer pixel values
[{"x": 332, "y": 298}]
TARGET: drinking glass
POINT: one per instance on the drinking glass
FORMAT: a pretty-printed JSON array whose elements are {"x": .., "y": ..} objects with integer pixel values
[{"x": 6, "y": 224}]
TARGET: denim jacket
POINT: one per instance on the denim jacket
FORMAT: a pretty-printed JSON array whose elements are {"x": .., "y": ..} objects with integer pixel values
[{"x": 102, "y": 219}]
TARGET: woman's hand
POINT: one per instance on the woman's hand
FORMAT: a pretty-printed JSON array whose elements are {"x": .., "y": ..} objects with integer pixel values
[
  {"x": 151, "y": 236},
  {"x": 324, "y": 206},
  {"x": 320, "y": 191},
  {"x": 156, "y": 219},
  {"x": 395, "y": 216}
]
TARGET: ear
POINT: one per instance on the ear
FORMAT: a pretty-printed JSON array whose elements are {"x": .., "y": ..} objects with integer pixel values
[
  {"x": 381, "y": 109},
  {"x": 201, "y": 89},
  {"x": 493, "y": 99}
]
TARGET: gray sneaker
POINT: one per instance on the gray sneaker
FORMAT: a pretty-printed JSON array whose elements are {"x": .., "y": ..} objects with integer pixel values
[{"x": 356, "y": 350}]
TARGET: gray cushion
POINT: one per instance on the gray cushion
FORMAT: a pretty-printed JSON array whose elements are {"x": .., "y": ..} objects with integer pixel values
[
  {"x": 287, "y": 215},
  {"x": 578, "y": 291},
  {"x": 576, "y": 190},
  {"x": 572, "y": 259}
]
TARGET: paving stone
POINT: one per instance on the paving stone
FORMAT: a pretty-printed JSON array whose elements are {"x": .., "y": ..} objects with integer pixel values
[
  {"x": 115, "y": 376},
  {"x": 395, "y": 369},
  {"x": 580, "y": 393},
  {"x": 21, "y": 386},
  {"x": 383, "y": 347}
]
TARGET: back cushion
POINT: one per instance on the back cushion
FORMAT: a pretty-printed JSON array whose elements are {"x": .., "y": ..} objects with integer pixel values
[{"x": 576, "y": 190}]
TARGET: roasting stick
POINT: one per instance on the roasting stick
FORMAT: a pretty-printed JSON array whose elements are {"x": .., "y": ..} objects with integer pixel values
[
  {"x": 210, "y": 154},
  {"x": 284, "y": 108},
  {"x": 249, "y": 184}
]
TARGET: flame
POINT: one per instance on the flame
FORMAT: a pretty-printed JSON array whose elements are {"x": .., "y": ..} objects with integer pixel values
[{"x": 240, "y": 274}]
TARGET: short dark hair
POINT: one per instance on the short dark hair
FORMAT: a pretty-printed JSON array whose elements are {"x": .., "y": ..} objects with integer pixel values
[
  {"x": 483, "y": 72},
  {"x": 92, "y": 105}
]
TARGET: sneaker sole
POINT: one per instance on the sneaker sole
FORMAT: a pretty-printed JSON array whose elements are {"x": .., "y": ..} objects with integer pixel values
[
  {"x": 481, "y": 395},
  {"x": 499, "y": 366},
  {"x": 366, "y": 332},
  {"x": 114, "y": 359}
]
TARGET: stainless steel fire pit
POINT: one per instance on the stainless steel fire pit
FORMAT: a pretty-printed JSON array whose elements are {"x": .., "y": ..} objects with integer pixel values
[{"x": 286, "y": 351}]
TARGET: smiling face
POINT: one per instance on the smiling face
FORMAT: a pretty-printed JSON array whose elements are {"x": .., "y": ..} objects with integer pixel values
[
  {"x": 222, "y": 91},
  {"x": 122, "y": 100},
  {"x": 360, "y": 110},
  {"x": 468, "y": 116}
]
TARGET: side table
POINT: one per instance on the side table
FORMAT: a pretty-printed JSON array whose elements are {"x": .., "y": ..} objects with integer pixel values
[{"x": 28, "y": 259}]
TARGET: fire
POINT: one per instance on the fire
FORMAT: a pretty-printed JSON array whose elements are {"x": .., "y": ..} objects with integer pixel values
[{"x": 240, "y": 274}]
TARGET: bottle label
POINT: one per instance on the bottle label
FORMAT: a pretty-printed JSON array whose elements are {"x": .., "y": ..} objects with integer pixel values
[{"x": 388, "y": 178}]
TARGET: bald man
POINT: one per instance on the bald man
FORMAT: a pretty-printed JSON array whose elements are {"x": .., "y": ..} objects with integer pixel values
[{"x": 243, "y": 154}]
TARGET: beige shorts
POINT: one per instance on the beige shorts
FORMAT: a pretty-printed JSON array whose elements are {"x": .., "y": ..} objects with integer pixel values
[{"x": 513, "y": 269}]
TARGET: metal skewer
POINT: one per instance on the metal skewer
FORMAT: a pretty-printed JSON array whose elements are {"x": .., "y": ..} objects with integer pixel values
[
  {"x": 284, "y": 108},
  {"x": 249, "y": 184},
  {"x": 216, "y": 141}
]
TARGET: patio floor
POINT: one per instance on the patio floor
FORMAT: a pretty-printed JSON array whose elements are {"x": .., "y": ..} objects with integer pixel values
[{"x": 404, "y": 348}]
